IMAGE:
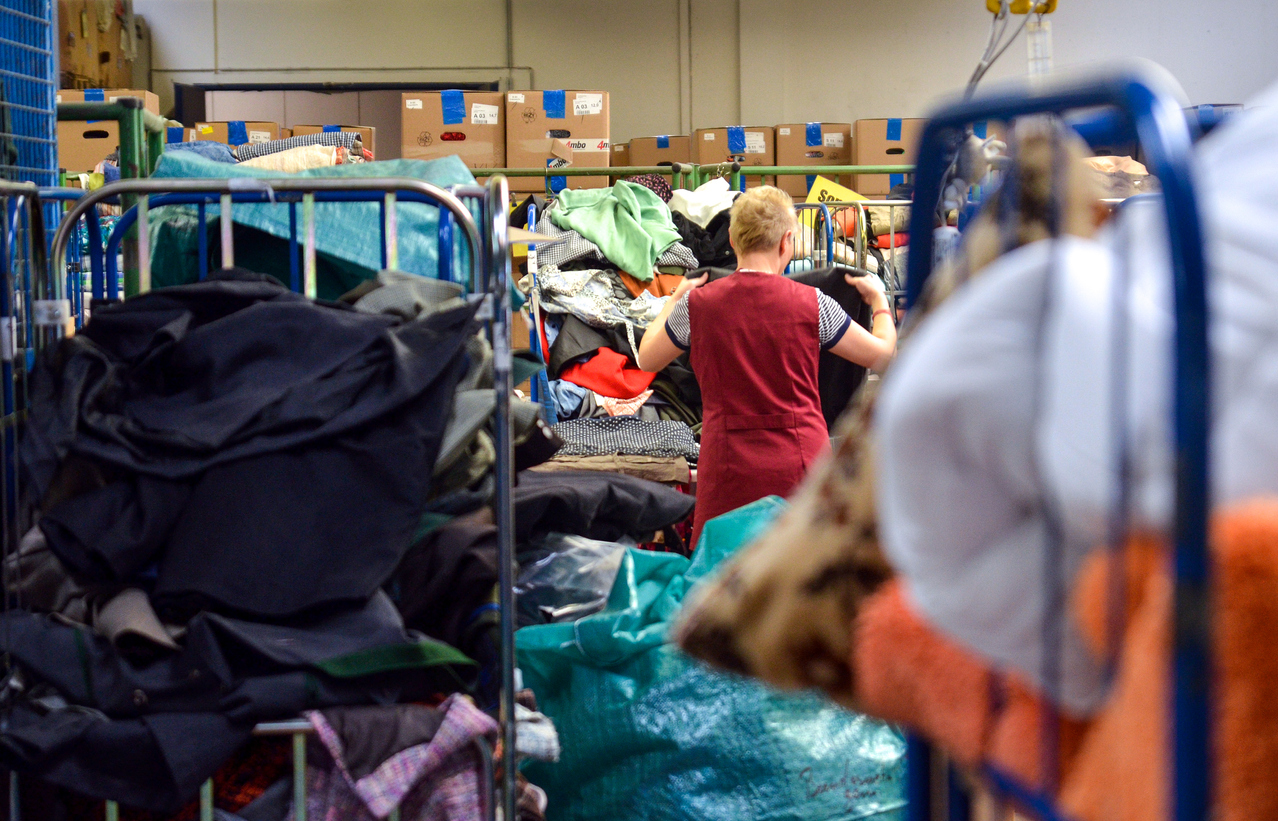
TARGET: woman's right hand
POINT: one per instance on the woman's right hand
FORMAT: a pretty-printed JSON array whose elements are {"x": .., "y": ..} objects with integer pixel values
[{"x": 871, "y": 290}]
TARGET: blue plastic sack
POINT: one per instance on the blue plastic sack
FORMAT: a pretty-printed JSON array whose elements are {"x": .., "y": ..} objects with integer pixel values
[{"x": 649, "y": 734}]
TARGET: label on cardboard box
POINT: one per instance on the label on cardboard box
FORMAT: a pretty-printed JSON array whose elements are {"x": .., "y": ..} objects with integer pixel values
[
  {"x": 206, "y": 129},
  {"x": 755, "y": 143},
  {"x": 709, "y": 136},
  {"x": 588, "y": 145},
  {"x": 481, "y": 114},
  {"x": 258, "y": 137},
  {"x": 587, "y": 104},
  {"x": 619, "y": 147},
  {"x": 413, "y": 104},
  {"x": 834, "y": 140},
  {"x": 515, "y": 98},
  {"x": 784, "y": 132}
]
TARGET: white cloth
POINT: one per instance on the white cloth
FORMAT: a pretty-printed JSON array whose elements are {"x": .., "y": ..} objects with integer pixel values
[
  {"x": 708, "y": 201},
  {"x": 998, "y": 410},
  {"x": 302, "y": 158}
]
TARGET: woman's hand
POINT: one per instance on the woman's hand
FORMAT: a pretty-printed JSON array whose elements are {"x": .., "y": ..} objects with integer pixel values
[
  {"x": 688, "y": 284},
  {"x": 870, "y": 288}
]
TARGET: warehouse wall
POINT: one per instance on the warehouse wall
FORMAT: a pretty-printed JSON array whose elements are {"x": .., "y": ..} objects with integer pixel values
[
  {"x": 672, "y": 65},
  {"x": 847, "y": 59}
]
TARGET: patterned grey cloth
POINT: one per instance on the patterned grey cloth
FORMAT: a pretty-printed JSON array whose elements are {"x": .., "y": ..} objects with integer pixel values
[
  {"x": 573, "y": 246},
  {"x": 346, "y": 139},
  {"x": 626, "y": 435}
]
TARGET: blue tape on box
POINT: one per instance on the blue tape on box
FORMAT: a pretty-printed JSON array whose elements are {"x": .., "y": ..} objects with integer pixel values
[
  {"x": 663, "y": 141},
  {"x": 736, "y": 139},
  {"x": 175, "y": 134},
  {"x": 331, "y": 129},
  {"x": 556, "y": 184},
  {"x": 552, "y": 102},
  {"x": 894, "y": 130},
  {"x": 811, "y": 181},
  {"x": 812, "y": 134},
  {"x": 236, "y": 132},
  {"x": 453, "y": 105},
  {"x": 894, "y": 180},
  {"x": 980, "y": 129},
  {"x": 94, "y": 95}
]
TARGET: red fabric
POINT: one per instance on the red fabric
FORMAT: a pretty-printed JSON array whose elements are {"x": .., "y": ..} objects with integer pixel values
[
  {"x": 607, "y": 373},
  {"x": 885, "y": 241},
  {"x": 755, "y": 346}
]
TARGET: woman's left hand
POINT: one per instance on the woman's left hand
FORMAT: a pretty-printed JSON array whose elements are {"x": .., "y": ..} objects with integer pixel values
[{"x": 870, "y": 288}]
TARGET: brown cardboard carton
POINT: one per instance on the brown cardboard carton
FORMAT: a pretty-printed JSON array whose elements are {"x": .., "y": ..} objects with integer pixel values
[
  {"x": 883, "y": 142},
  {"x": 285, "y": 133},
  {"x": 557, "y": 129},
  {"x": 619, "y": 158},
  {"x": 92, "y": 40},
  {"x": 367, "y": 134},
  {"x": 747, "y": 145},
  {"x": 812, "y": 144},
  {"x": 229, "y": 132},
  {"x": 472, "y": 127},
  {"x": 663, "y": 150},
  {"x": 82, "y": 145}
]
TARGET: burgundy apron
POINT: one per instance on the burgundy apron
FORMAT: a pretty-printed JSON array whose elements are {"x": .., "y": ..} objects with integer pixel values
[{"x": 755, "y": 346}]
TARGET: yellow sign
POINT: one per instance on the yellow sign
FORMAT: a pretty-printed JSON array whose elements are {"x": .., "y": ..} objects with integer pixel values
[{"x": 825, "y": 190}]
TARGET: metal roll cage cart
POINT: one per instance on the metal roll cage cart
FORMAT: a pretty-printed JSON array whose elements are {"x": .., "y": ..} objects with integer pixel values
[
  {"x": 1130, "y": 105},
  {"x": 478, "y": 213}
]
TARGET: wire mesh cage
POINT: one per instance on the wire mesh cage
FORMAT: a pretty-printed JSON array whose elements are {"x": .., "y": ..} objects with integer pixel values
[{"x": 28, "y": 89}]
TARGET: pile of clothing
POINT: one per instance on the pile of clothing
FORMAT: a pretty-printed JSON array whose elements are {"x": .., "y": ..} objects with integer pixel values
[
  {"x": 617, "y": 256},
  {"x": 252, "y": 506}
]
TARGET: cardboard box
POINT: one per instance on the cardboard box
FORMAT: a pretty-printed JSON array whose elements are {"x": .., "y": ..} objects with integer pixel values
[
  {"x": 557, "y": 129},
  {"x": 663, "y": 150},
  {"x": 812, "y": 144},
  {"x": 82, "y": 145},
  {"x": 468, "y": 124},
  {"x": 884, "y": 142},
  {"x": 94, "y": 44},
  {"x": 367, "y": 134},
  {"x": 747, "y": 145},
  {"x": 620, "y": 158},
  {"x": 237, "y": 132},
  {"x": 285, "y": 133}
]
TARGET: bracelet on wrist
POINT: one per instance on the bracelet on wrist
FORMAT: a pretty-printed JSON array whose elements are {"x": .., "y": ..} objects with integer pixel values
[{"x": 880, "y": 311}]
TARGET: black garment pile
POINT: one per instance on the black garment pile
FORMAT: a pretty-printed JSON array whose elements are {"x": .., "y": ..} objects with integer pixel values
[
  {"x": 226, "y": 475},
  {"x": 250, "y": 504}
]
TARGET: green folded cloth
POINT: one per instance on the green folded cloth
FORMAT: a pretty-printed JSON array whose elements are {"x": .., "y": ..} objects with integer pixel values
[{"x": 629, "y": 223}]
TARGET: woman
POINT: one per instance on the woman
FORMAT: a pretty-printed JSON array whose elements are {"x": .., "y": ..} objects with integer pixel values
[{"x": 754, "y": 339}]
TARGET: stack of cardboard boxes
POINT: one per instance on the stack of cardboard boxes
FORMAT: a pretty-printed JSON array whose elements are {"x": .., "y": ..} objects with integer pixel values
[{"x": 520, "y": 129}]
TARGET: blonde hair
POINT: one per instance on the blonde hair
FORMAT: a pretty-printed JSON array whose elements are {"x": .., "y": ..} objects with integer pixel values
[{"x": 760, "y": 218}]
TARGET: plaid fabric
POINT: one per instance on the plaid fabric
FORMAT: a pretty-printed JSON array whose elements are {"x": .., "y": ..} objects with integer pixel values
[
  {"x": 438, "y": 781},
  {"x": 573, "y": 246},
  {"x": 344, "y": 139}
]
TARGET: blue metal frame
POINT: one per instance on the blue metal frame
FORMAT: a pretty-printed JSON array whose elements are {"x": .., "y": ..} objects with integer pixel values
[
  {"x": 127, "y": 220},
  {"x": 1136, "y": 105},
  {"x": 29, "y": 74}
]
